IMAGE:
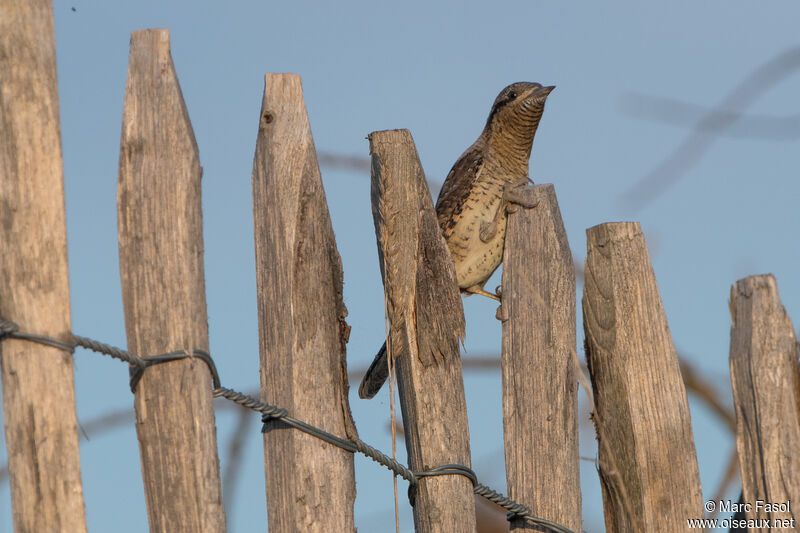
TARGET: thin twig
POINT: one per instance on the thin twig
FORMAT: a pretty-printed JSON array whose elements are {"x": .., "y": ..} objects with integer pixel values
[{"x": 233, "y": 467}]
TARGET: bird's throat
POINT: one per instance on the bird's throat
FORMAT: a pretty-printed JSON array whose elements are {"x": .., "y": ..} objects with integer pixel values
[{"x": 510, "y": 145}]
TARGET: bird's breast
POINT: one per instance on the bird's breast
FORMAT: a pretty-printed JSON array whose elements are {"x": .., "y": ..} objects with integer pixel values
[{"x": 476, "y": 258}]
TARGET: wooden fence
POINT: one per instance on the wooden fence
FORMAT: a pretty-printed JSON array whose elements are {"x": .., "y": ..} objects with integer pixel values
[{"x": 647, "y": 463}]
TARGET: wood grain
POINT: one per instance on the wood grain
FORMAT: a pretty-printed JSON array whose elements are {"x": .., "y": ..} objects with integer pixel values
[
  {"x": 302, "y": 328},
  {"x": 38, "y": 381},
  {"x": 648, "y": 467},
  {"x": 426, "y": 325},
  {"x": 766, "y": 393},
  {"x": 163, "y": 292},
  {"x": 540, "y": 384}
]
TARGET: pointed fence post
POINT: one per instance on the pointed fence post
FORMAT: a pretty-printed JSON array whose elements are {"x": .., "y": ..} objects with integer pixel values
[
  {"x": 163, "y": 292},
  {"x": 38, "y": 381},
  {"x": 302, "y": 328},
  {"x": 540, "y": 384},
  {"x": 766, "y": 393},
  {"x": 647, "y": 462},
  {"x": 426, "y": 325}
]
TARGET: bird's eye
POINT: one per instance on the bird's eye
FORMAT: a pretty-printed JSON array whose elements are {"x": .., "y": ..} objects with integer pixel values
[{"x": 512, "y": 94}]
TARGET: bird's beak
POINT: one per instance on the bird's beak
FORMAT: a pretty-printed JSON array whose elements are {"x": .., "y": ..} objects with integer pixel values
[{"x": 539, "y": 92}]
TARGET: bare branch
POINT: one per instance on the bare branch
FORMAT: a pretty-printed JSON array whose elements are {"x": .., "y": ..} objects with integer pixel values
[{"x": 673, "y": 167}]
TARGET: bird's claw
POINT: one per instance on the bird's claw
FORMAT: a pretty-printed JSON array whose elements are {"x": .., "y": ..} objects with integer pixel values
[
  {"x": 519, "y": 194},
  {"x": 501, "y": 313}
]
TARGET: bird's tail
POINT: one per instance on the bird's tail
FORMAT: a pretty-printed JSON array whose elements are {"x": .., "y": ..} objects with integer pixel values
[{"x": 376, "y": 375}]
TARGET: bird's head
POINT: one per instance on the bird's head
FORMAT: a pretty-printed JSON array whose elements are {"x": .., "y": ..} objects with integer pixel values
[{"x": 519, "y": 105}]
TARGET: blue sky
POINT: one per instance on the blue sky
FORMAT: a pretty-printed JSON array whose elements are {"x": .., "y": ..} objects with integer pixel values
[{"x": 632, "y": 81}]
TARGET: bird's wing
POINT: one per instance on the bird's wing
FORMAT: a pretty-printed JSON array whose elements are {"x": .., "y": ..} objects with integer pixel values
[{"x": 456, "y": 188}]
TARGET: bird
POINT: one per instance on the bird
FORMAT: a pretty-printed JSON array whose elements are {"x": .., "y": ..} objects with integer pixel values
[{"x": 484, "y": 184}]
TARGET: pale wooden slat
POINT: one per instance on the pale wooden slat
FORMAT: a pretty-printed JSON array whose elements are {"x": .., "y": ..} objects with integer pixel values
[
  {"x": 38, "y": 381},
  {"x": 766, "y": 393},
  {"x": 426, "y": 325},
  {"x": 540, "y": 401},
  {"x": 302, "y": 328},
  {"x": 163, "y": 291},
  {"x": 648, "y": 466}
]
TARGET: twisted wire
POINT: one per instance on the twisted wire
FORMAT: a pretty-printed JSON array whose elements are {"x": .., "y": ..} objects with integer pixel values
[{"x": 273, "y": 414}]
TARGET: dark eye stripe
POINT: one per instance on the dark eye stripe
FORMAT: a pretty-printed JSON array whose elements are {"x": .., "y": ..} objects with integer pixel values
[{"x": 508, "y": 99}]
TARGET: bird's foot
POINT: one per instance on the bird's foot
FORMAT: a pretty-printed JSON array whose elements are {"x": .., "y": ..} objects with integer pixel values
[{"x": 518, "y": 195}]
